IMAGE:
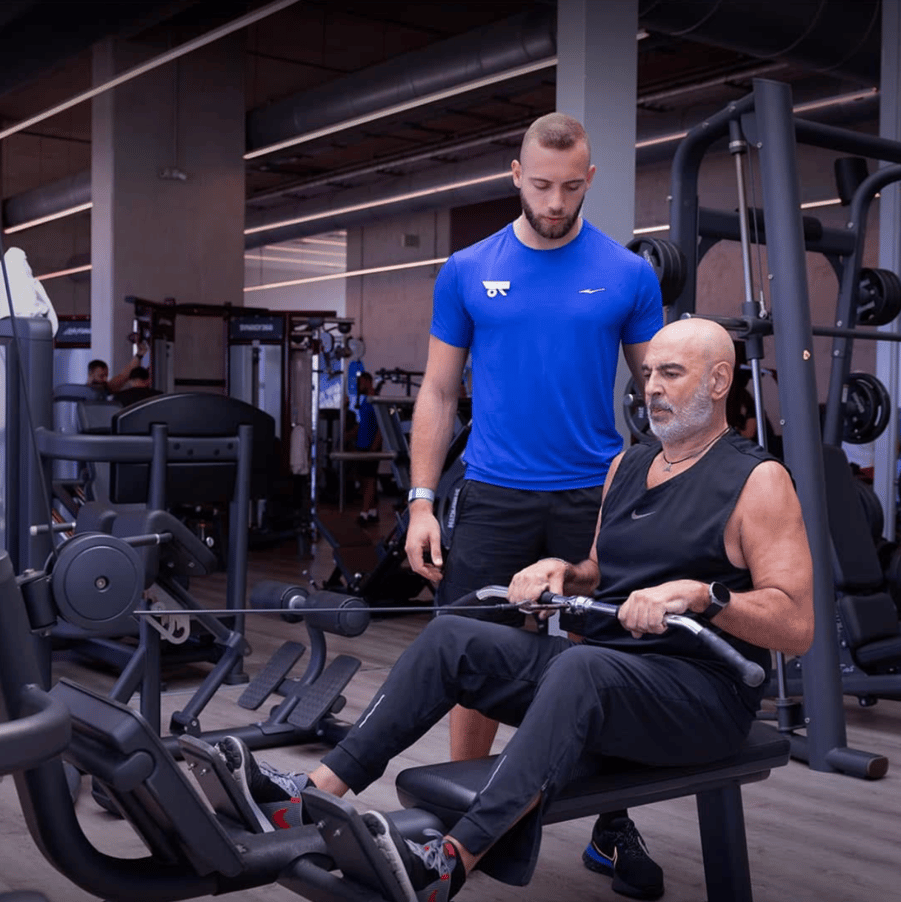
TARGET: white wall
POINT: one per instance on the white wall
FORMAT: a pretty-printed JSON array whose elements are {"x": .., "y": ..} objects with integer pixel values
[{"x": 325, "y": 295}]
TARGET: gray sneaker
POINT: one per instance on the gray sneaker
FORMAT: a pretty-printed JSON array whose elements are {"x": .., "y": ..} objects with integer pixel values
[
  {"x": 427, "y": 873},
  {"x": 273, "y": 796}
]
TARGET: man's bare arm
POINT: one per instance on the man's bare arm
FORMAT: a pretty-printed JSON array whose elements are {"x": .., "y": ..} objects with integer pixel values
[
  {"x": 634, "y": 355},
  {"x": 120, "y": 380},
  {"x": 432, "y": 430},
  {"x": 766, "y": 535}
]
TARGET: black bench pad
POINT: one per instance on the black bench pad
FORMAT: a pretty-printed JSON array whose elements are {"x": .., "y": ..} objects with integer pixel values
[{"x": 448, "y": 789}]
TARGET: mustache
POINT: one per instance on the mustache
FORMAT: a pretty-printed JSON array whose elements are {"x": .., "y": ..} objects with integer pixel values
[{"x": 657, "y": 405}]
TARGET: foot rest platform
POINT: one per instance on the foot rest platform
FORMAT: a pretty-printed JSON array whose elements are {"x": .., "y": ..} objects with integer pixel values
[
  {"x": 319, "y": 697},
  {"x": 218, "y": 785},
  {"x": 351, "y": 845}
]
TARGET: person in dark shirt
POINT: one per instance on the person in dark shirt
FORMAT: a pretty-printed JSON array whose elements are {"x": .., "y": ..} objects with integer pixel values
[
  {"x": 705, "y": 522},
  {"x": 99, "y": 378},
  {"x": 137, "y": 388}
]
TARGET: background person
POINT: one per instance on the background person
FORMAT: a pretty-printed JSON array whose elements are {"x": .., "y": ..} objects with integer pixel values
[
  {"x": 98, "y": 373},
  {"x": 137, "y": 388},
  {"x": 367, "y": 438}
]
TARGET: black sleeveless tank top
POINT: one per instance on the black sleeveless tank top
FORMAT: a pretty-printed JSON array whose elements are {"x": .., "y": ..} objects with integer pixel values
[{"x": 672, "y": 531}]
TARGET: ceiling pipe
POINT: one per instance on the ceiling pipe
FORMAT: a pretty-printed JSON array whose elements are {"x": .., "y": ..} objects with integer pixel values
[
  {"x": 496, "y": 48},
  {"x": 839, "y": 37},
  {"x": 769, "y": 28},
  {"x": 509, "y": 134},
  {"x": 75, "y": 190},
  {"x": 485, "y": 178},
  {"x": 486, "y": 51},
  {"x": 63, "y": 194}
]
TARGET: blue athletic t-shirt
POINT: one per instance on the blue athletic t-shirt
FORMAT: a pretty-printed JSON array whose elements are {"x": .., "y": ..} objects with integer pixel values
[
  {"x": 366, "y": 425},
  {"x": 544, "y": 329}
]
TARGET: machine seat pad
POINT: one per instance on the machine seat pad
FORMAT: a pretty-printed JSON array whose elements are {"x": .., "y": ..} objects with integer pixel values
[
  {"x": 881, "y": 656},
  {"x": 448, "y": 789}
]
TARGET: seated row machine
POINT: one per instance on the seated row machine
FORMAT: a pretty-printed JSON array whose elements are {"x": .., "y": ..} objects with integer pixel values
[{"x": 193, "y": 851}]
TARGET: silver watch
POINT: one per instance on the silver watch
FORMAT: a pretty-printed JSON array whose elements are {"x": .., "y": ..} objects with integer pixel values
[{"x": 419, "y": 492}]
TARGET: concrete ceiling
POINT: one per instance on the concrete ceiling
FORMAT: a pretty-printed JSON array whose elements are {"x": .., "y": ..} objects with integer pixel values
[{"x": 695, "y": 58}]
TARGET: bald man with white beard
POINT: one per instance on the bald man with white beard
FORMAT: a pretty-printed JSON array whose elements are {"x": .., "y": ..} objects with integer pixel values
[{"x": 704, "y": 523}]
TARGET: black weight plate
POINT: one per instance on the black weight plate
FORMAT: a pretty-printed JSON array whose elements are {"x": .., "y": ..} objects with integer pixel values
[
  {"x": 866, "y": 409},
  {"x": 878, "y": 297},
  {"x": 97, "y": 581},
  {"x": 667, "y": 261},
  {"x": 636, "y": 413}
]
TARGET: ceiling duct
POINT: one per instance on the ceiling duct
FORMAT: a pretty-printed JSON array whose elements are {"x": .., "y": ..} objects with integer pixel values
[
  {"x": 486, "y": 51},
  {"x": 496, "y": 48},
  {"x": 423, "y": 191},
  {"x": 838, "y": 37},
  {"x": 64, "y": 194},
  {"x": 841, "y": 37}
]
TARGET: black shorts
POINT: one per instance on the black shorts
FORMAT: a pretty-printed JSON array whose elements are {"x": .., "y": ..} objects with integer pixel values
[
  {"x": 364, "y": 468},
  {"x": 498, "y": 531}
]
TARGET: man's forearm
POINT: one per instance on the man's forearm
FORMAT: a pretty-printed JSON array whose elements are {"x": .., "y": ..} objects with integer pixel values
[
  {"x": 581, "y": 579},
  {"x": 433, "y": 419},
  {"x": 118, "y": 381}
]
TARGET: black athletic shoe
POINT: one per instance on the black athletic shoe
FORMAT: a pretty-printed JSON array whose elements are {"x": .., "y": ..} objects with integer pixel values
[
  {"x": 427, "y": 873},
  {"x": 618, "y": 851},
  {"x": 273, "y": 797}
]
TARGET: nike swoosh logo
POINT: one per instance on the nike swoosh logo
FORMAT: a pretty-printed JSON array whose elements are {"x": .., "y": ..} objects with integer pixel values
[
  {"x": 591, "y": 290},
  {"x": 638, "y": 516}
]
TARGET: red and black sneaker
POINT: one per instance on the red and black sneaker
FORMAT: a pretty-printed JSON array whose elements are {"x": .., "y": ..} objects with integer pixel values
[
  {"x": 273, "y": 797},
  {"x": 431, "y": 872}
]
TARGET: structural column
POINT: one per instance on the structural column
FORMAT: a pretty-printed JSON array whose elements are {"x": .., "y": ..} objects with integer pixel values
[
  {"x": 167, "y": 185},
  {"x": 597, "y": 82}
]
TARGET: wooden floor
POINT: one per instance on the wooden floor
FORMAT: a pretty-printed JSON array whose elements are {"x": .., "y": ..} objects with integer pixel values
[{"x": 812, "y": 836}]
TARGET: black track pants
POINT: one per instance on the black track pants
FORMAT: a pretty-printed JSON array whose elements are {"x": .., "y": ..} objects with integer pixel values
[{"x": 568, "y": 701}]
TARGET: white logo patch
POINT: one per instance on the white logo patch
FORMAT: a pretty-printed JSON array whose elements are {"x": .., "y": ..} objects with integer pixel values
[
  {"x": 591, "y": 290},
  {"x": 493, "y": 289}
]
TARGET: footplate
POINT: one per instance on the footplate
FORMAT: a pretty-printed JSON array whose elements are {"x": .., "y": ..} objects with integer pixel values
[
  {"x": 350, "y": 844},
  {"x": 317, "y": 699},
  {"x": 217, "y": 783},
  {"x": 271, "y": 676}
]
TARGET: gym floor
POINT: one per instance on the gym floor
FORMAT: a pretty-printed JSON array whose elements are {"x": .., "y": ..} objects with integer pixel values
[{"x": 811, "y": 836}]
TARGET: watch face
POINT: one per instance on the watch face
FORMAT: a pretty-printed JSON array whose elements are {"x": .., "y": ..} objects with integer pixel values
[{"x": 720, "y": 593}]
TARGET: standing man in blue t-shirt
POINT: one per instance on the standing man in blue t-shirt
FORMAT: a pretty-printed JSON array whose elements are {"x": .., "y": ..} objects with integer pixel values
[{"x": 543, "y": 306}]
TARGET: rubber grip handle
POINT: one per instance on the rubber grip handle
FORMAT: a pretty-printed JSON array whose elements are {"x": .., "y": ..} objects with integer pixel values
[{"x": 751, "y": 673}]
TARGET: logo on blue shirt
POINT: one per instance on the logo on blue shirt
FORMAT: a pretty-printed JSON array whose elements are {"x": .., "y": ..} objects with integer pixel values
[{"x": 493, "y": 289}]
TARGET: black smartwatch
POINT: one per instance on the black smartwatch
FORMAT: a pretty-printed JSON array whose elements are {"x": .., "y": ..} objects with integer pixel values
[{"x": 719, "y": 597}]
